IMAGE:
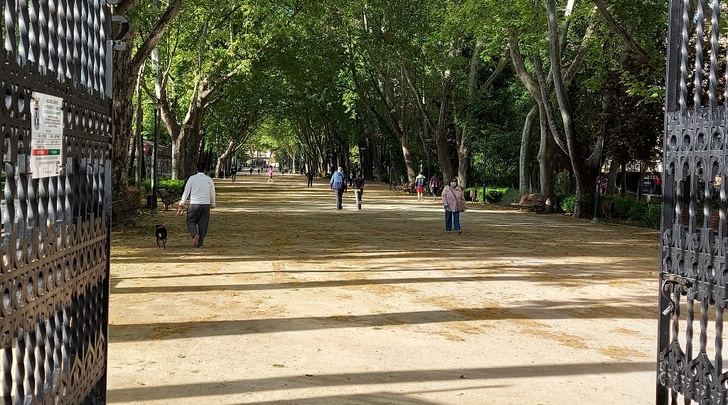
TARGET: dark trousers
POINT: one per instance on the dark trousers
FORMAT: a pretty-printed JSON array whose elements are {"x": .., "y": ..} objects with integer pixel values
[
  {"x": 310, "y": 181},
  {"x": 198, "y": 218},
  {"x": 452, "y": 218},
  {"x": 340, "y": 198}
]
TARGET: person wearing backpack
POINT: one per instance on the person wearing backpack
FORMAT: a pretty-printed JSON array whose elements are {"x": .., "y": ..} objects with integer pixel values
[
  {"x": 338, "y": 184},
  {"x": 420, "y": 181}
]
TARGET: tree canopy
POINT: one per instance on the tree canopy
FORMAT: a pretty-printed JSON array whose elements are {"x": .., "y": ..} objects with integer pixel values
[{"x": 508, "y": 93}]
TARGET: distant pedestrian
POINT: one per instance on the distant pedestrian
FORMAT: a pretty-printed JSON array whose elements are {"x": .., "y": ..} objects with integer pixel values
[
  {"x": 454, "y": 203},
  {"x": 434, "y": 186},
  {"x": 233, "y": 174},
  {"x": 351, "y": 179},
  {"x": 258, "y": 170},
  {"x": 420, "y": 182},
  {"x": 251, "y": 170},
  {"x": 338, "y": 184},
  {"x": 658, "y": 184},
  {"x": 270, "y": 175},
  {"x": 358, "y": 185},
  {"x": 309, "y": 177},
  {"x": 201, "y": 191}
]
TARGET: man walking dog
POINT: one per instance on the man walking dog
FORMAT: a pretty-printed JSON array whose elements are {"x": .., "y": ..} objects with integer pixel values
[{"x": 201, "y": 191}]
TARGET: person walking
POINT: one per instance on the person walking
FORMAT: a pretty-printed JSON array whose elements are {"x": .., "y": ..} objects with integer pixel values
[
  {"x": 309, "y": 177},
  {"x": 434, "y": 186},
  {"x": 420, "y": 182},
  {"x": 338, "y": 184},
  {"x": 358, "y": 185},
  {"x": 233, "y": 174},
  {"x": 454, "y": 202},
  {"x": 251, "y": 170},
  {"x": 201, "y": 191},
  {"x": 270, "y": 174}
]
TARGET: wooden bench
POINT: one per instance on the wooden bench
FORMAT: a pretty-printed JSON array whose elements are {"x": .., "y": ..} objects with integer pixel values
[
  {"x": 532, "y": 202},
  {"x": 167, "y": 198}
]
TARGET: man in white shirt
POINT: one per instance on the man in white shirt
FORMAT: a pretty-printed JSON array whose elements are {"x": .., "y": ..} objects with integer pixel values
[{"x": 201, "y": 191}]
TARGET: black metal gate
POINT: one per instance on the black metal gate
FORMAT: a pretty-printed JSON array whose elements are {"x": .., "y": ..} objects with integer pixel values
[
  {"x": 54, "y": 236},
  {"x": 694, "y": 275}
]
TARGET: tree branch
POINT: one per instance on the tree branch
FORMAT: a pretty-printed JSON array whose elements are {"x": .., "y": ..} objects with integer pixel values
[
  {"x": 520, "y": 66},
  {"x": 156, "y": 34},
  {"x": 623, "y": 32},
  {"x": 125, "y": 6},
  {"x": 505, "y": 58}
]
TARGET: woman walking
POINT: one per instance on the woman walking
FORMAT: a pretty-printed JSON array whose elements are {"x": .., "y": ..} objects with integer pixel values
[
  {"x": 270, "y": 174},
  {"x": 434, "y": 186},
  {"x": 454, "y": 203}
]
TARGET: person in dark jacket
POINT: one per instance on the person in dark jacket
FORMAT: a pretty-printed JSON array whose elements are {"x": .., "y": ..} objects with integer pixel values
[
  {"x": 434, "y": 186},
  {"x": 309, "y": 177},
  {"x": 358, "y": 185}
]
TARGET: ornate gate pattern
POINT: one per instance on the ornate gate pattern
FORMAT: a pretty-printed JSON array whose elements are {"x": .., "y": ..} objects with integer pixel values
[
  {"x": 54, "y": 236},
  {"x": 694, "y": 276}
]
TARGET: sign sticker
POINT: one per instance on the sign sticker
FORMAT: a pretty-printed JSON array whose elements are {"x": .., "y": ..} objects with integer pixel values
[{"x": 46, "y": 145}]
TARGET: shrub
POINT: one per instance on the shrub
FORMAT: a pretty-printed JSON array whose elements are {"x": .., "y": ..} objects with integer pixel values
[
  {"x": 174, "y": 186},
  {"x": 621, "y": 207},
  {"x": 512, "y": 196},
  {"x": 641, "y": 213},
  {"x": 171, "y": 185},
  {"x": 563, "y": 184},
  {"x": 653, "y": 215},
  {"x": 495, "y": 194},
  {"x": 569, "y": 203},
  {"x": 637, "y": 211},
  {"x": 492, "y": 194}
]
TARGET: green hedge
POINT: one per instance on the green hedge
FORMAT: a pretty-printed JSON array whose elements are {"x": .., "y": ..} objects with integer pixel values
[
  {"x": 625, "y": 209},
  {"x": 171, "y": 185},
  {"x": 493, "y": 194},
  {"x": 512, "y": 196},
  {"x": 642, "y": 213}
]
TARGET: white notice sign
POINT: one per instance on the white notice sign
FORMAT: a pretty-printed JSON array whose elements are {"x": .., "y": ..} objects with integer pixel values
[{"x": 46, "y": 145}]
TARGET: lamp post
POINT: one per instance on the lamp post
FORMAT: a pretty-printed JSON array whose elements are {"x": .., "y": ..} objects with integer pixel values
[{"x": 155, "y": 174}]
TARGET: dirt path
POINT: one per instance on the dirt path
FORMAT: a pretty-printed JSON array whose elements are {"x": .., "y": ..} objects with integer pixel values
[{"x": 292, "y": 302}]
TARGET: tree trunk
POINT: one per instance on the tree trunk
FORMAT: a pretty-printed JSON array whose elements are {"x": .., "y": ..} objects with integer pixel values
[
  {"x": 126, "y": 71},
  {"x": 463, "y": 156},
  {"x": 623, "y": 190},
  {"x": 577, "y": 162},
  {"x": 612, "y": 179},
  {"x": 443, "y": 151},
  {"x": 132, "y": 156},
  {"x": 222, "y": 160},
  {"x": 545, "y": 160},
  {"x": 409, "y": 164},
  {"x": 124, "y": 86},
  {"x": 140, "y": 169},
  {"x": 141, "y": 164},
  {"x": 524, "y": 159}
]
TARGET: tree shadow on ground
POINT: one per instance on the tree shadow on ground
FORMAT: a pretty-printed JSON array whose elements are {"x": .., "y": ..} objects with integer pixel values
[
  {"x": 541, "y": 310},
  {"x": 454, "y": 376}
]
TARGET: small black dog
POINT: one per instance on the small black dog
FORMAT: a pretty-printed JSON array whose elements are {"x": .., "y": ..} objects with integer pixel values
[{"x": 160, "y": 232}]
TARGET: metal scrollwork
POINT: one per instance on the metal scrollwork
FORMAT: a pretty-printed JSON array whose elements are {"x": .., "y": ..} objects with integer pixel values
[{"x": 694, "y": 242}]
